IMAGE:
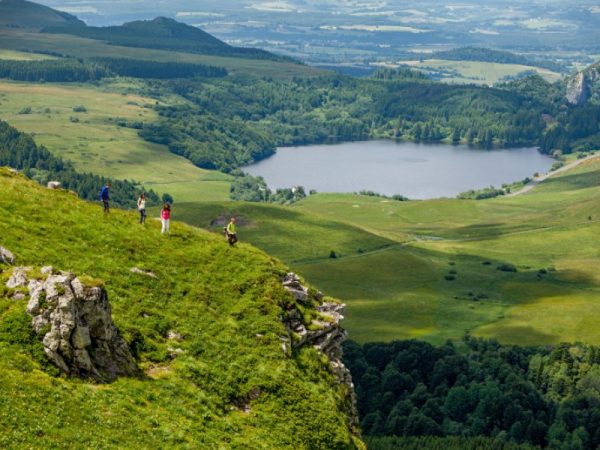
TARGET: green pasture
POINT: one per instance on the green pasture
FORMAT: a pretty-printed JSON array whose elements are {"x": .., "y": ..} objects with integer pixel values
[
  {"x": 15, "y": 55},
  {"x": 478, "y": 72},
  {"x": 95, "y": 143}
]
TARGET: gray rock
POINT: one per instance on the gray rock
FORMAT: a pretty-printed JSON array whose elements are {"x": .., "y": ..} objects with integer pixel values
[
  {"x": 143, "y": 272},
  {"x": 75, "y": 325},
  {"x": 18, "y": 277},
  {"x": 53, "y": 184},
  {"x": 6, "y": 256},
  {"x": 324, "y": 333}
]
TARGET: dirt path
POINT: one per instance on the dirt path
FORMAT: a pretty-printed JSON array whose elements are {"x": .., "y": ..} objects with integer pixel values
[{"x": 541, "y": 178}]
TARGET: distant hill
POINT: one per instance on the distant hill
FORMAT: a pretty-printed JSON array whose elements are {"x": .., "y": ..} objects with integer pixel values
[
  {"x": 24, "y": 14},
  {"x": 496, "y": 56},
  {"x": 164, "y": 34}
]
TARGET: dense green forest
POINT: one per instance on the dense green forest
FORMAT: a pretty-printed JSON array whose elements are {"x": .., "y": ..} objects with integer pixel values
[
  {"x": 18, "y": 150},
  {"x": 74, "y": 70},
  {"x": 59, "y": 70},
  {"x": 438, "y": 443},
  {"x": 538, "y": 396}
]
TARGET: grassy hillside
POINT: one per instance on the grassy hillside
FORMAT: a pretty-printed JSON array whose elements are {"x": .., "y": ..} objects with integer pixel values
[
  {"x": 403, "y": 292},
  {"x": 224, "y": 302},
  {"x": 79, "y": 47},
  {"x": 24, "y": 14},
  {"x": 94, "y": 142}
]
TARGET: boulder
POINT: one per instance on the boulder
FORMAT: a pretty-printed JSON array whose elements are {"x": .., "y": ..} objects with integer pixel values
[
  {"x": 74, "y": 322},
  {"x": 53, "y": 184},
  {"x": 6, "y": 256}
]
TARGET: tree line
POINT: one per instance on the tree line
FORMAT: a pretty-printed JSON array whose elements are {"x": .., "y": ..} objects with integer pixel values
[
  {"x": 545, "y": 397},
  {"x": 19, "y": 151},
  {"x": 68, "y": 70}
]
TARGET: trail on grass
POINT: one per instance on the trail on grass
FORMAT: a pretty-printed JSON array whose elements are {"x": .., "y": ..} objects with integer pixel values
[{"x": 541, "y": 178}]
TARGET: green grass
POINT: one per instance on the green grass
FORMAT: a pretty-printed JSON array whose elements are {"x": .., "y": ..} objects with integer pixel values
[
  {"x": 225, "y": 302},
  {"x": 478, "y": 72},
  {"x": 403, "y": 292},
  {"x": 23, "y": 56},
  {"x": 294, "y": 237},
  {"x": 95, "y": 143}
]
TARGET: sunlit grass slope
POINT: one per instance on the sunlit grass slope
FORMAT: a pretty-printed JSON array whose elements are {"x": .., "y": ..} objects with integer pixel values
[
  {"x": 225, "y": 303},
  {"x": 446, "y": 281},
  {"x": 95, "y": 143}
]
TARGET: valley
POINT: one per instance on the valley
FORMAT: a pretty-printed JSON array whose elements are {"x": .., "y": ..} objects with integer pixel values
[{"x": 471, "y": 311}]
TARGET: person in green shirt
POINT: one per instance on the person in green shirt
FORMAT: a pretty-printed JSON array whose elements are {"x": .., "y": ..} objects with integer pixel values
[{"x": 230, "y": 232}]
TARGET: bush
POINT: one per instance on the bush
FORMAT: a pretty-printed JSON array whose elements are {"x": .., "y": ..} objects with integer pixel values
[
  {"x": 25, "y": 110},
  {"x": 333, "y": 254},
  {"x": 506, "y": 267},
  {"x": 80, "y": 108}
]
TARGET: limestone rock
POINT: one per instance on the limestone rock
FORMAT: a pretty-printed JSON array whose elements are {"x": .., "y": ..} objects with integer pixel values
[
  {"x": 6, "y": 256},
  {"x": 18, "y": 277},
  {"x": 325, "y": 333},
  {"x": 143, "y": 272},
  {"x": 584, "y": 86},
  {"x": 53, "y": 184},
  {"x": 75, "y": 325}
]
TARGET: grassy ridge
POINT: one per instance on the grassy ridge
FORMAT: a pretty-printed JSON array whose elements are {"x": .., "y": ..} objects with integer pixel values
[{"x": 225, "y": 303}]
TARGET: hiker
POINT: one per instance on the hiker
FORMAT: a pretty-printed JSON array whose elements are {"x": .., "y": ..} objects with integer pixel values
[
  {"x": 230, "y": 232},
  {"x": 141, "y": 205},
  {"x": 165, "y": 217},
  {"x": 105, "y": 197}
]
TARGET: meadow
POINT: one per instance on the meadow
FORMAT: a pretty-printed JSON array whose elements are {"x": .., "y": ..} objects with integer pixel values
[
  {"x": 477, "y": 72},
  {"x": 94, "y": 142}
]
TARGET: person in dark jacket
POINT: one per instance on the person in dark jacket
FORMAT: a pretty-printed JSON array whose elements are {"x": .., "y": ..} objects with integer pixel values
[{"x": 105, "y": 197}]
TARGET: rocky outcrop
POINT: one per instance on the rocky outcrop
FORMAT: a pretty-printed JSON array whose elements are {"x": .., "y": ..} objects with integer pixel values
[
  {"x": 583, "y": 86},
  {"x": 6, "y": 256},
  {"x": 322, "y": 330},
  {"x": 75, "y": 324}
]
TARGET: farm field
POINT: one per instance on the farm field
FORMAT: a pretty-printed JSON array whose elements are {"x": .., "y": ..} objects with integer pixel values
[
  {"x": 477, "y": 72},
  {"x": 95, "y": 143}
]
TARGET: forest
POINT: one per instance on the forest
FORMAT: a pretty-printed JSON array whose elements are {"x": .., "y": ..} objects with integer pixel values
[
  {"x": 68, "y": 70},
  {"x": 19, "y": 151},
  {"x": 541, "y": 397}
]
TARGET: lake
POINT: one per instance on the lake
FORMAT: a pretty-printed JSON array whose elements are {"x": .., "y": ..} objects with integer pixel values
[{"x": 415, "y": 170}]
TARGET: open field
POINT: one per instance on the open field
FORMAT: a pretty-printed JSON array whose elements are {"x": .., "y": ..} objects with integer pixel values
[
  {"x": 23, "y": 56},
  {"x": 95, "y": 143},
  {"x": 85, "y": 48},
  {"x": 477, "y": 72}
]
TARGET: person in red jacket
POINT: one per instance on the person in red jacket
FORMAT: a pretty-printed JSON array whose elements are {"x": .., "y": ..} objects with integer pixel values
[{"x": 165, "y": 218}]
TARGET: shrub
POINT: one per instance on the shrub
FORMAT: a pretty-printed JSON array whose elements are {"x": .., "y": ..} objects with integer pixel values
[{"x": 506, "y": 267}]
